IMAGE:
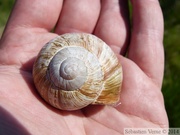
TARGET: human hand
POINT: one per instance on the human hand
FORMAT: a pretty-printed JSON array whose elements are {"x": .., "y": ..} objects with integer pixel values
[{"x": 29, "y": 29}]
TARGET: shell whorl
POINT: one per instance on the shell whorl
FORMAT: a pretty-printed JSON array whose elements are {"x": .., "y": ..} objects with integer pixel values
[{"x": 75, "y": 70}]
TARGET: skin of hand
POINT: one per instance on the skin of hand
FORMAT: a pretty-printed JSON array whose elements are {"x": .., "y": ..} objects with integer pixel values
[{"x": 29, "y": 28}]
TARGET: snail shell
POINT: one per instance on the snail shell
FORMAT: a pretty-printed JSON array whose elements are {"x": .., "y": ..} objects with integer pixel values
[{"x": 75, "y": 70}]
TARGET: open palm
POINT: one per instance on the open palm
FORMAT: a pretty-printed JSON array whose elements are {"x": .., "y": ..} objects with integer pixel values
[{"x": 29, "y": 29}]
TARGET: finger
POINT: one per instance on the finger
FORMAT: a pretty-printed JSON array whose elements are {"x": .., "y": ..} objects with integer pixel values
[
  {"x": 113, "y": 24},
  {"x": 146, "y": 48},
  {"x": 27, "y": 29},
  {"x": 78, "y": 16},
  {"x": 35, "y": 14}
]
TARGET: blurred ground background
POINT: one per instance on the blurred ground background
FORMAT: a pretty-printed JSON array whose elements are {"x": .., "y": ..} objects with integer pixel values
[{"x": 171, "y": 84}]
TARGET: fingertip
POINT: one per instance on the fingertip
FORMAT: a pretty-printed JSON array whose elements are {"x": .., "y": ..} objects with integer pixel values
[
  {"x": 35, "y": 14},
  {"x": 78, "y": 16}
]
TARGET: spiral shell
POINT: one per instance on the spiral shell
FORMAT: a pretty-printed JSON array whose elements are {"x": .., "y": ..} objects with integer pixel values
[{"x": 75, "y": 70}]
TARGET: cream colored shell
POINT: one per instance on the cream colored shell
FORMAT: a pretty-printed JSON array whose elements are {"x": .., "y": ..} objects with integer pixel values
[{"x": 75, "y": 70}]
